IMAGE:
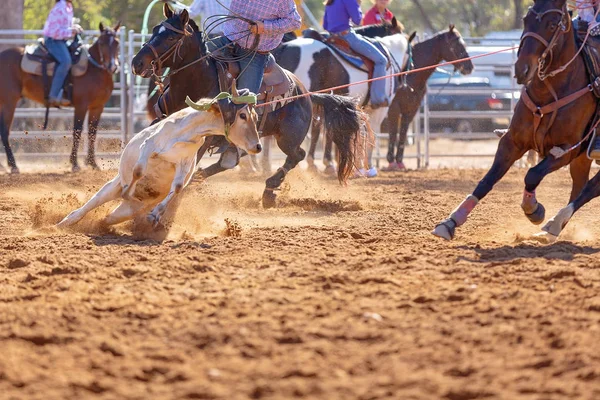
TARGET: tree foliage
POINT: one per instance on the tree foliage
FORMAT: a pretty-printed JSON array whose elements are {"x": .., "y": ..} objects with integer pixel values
[{"x": 472, "y": 17}]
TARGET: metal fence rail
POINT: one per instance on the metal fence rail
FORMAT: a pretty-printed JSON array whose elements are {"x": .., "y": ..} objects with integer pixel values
[{"x": 131, "y": 91}]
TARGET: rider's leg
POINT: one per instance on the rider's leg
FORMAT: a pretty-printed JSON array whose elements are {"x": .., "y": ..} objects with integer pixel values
[
  {"x": 252, "y": 70},
  {"x": 59, "y": 50},
  {"x": 367, "y": 49}
]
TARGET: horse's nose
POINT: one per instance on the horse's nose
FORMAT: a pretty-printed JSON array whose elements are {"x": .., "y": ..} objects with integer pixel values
[
  {"x": 258, "y": 148},
  {"x": 137, "y": 65}
]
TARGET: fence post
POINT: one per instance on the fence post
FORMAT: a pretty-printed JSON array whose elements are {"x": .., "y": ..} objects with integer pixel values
[
  {"x": 131, "y": 85},
  {"x": 426, "y": 124},
  {"x": 124, "y": 86}
]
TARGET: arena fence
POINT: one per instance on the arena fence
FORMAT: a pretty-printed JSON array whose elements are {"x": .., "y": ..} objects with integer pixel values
[
  {"x": 127, "y": 114},
  {"x": 61, "y": 121}
]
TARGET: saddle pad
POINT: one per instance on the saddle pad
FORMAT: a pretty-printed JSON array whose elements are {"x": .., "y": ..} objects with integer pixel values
[{"x": 34, "y": 66}]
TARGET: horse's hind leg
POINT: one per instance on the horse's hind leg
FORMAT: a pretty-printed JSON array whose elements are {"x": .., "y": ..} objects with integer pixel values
[
  {"x": 557, "y": 223},
  {"x": 7, "y": 112},
  {"x": 78, "y": 119},
  {"x": 94, "y": 120},
  {"x": 580, "y": 174},
  {"x": 315, "y": 132},
  {"x": 534, "y": 211},
  {"x": 294, "y": 156},
  {"x": 110, "y": 191}
]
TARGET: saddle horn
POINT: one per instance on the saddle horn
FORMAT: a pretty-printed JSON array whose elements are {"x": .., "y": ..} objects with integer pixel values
[{"x": 234, "y": 91}]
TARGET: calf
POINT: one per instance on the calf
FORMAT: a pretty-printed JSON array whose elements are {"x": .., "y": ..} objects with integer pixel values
[{"x": 159, "y": 161}]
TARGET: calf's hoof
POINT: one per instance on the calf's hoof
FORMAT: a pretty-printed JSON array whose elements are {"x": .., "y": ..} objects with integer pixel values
[
  {"x": 268, "y": 199},
  {"x": 445, "y": 229},
  {"x": 537, "y": 217}
]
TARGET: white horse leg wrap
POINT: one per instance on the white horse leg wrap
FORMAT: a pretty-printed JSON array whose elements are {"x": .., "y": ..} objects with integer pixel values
[{"x": 461, "y": 213}]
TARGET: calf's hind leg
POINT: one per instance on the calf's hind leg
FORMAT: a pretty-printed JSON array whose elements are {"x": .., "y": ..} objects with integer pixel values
[
  {"x": 182, "y": 170},
  {"x": 110, "y": 191}
]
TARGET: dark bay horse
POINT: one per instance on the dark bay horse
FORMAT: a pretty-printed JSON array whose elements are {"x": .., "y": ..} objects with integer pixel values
[
  {"x": 445, "y": 46},
  {"x": 180, "y": 39},
  {"x": 553, "y": 117},
  {"x": 91, "y": 91}
]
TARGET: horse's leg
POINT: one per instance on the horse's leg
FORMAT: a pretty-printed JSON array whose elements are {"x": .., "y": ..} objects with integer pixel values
[
  {"x": 404, "y": 123},
  {"x": 77, "y": 128},
  {"x": 229, "y": 159},
  {"x": 295, "y": 154},
  {"x": 508, "y": 152},
  {"x": 327, "y": 156},
  {"x": 94, "y": 120},
  {"x": 110, "y": 191},
  {"x": 7, "y": 112},
  {"x": 315, "y": 132},
  {"x": 266, "y": 156},
  {"x": 182, "y": 169},
  {"x": 580, "y": 174},
  {"x": 557, "y": 223},
  {"x": 534, "y": 210},
  {"x": 393, "y": 122}
]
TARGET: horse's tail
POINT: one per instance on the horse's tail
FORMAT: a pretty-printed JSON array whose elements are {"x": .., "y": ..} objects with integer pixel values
[{"x": 341, "y": 118}]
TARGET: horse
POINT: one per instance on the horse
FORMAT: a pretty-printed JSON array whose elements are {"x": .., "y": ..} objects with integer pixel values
[
  {"x": 445, "y": 46},
  {"x": 153, "y": 93},
  {"x": 553, "y": 115},
  {"x": 177, "y": 43},
  {"x": 319, "y": 67},
  {"x": 91, "y": 91},
  {"x": 158, "y": 163}
]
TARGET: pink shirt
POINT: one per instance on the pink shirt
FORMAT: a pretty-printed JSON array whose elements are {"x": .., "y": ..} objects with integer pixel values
[{"x": 60, "y": 19}]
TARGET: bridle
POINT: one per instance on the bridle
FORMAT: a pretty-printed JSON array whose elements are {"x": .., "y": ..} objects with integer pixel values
[
  {"x": 545, "y": 60},
  {"x": 100, "y": 64},
  {"x": 174, "y": 51},
  {"x": 452, "y": 48}
]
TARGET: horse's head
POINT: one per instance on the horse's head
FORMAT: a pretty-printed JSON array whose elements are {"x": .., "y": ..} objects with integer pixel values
[
  {"x": 545, "y": 24},
  {"x": 108, "y": 47},
  {"x": 394, "y": 26},
  {"x": 164, "y": 47},
  {"x": 453, "y": 47}
]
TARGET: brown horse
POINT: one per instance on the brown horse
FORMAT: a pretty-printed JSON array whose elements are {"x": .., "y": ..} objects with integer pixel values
[
  {"x": 445, "y": 46},
  {"x": 554, "y": 112},
  {"x": 91, "y": 91}
]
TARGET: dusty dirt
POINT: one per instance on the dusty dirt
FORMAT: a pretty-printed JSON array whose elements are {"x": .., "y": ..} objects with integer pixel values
[{"x": 341, "y": 293}]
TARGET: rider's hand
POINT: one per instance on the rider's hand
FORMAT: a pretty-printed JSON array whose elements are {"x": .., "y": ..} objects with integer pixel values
[
  {"x": 77, "y": 29},
  {"x": 258, "y": 28}
]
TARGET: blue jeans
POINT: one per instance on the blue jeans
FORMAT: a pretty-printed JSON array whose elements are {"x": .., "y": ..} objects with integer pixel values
[
  {"x": 367, "y": 49},
  {"x": 252, "y": 68},
  {"x": 59, "y": 50}
]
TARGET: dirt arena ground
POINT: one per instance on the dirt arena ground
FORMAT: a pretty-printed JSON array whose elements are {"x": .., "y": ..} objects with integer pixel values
[{"x": 340, "y": 293}]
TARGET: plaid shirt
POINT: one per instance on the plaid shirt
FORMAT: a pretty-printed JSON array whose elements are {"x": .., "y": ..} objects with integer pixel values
[
  {"x": 58, "y": 24},
  {"x": 278, "y": 16}
]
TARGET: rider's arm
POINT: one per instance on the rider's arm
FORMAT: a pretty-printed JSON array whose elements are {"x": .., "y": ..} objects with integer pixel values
[
  {"x": 289, "y": 20},
  {"x": 59, "y": 22},
  {"x": 353, "y": 9}
]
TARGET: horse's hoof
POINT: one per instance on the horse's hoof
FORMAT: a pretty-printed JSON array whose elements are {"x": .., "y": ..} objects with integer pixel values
[
  {"x": 445, "y": 229},
  {"x": 93, "y": 165},
  {"x": 545, "y": 237},
  {"x": 75, "y": 168},
  {"x": 15, "y": 171},
  {"x": 557, "y": 223},
  {"x": 268, "y": 199},
  {"x": 330, "y": 170},
  {"x": 537, "y": 217}
]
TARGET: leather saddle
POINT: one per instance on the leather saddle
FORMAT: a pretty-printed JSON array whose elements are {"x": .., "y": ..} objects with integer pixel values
[
  {"x": 37, "y": 54},
  {"x": 342, "y": 48},
  {"x": 591, "y": 54}
]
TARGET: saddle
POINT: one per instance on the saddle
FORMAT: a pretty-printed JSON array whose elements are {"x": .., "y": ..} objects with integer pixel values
[
  {"x": 36, "y": 55},
  {"x": 342, "y": 49}
]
